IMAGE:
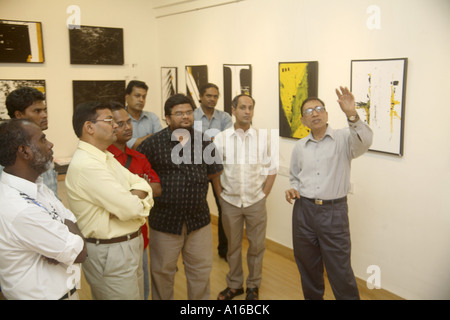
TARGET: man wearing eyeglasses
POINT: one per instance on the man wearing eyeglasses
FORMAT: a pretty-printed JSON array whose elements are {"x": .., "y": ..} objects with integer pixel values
[
  {"x": 180, "y": 220},
  {"x": 110, "y": 203},
  {"x": 320, "y": 182}
]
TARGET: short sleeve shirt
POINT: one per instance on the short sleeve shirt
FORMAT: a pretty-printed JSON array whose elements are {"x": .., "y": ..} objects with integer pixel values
[{"x": 183, "y": 172}]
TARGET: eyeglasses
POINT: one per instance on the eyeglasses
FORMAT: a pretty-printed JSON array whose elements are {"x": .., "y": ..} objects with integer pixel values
[
  {"x": 308, "y": 112},
  {"x": 107, "y": 120},
  {"x": 121, "y": 124},
  {"x": 180, "y": 114}
]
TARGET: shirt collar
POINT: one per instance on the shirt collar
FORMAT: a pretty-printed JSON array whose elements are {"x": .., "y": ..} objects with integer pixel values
[
  {"x": 329, "y": 132},
  {"x": 94, "y": 151},
  {"x": 250, "y": 132},
  {"x": 202, "y": 114},
  {"x": 117, "y": 152},
  {"x": 22, "y": 185}
]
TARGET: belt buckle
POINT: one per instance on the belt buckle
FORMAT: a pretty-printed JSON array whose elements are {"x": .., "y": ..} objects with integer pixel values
[{"x": 318, "y": 202}]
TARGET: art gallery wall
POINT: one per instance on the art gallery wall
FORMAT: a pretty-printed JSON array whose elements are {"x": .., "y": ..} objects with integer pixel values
[
  {"x": 139, "y": 50},
  {"x": 400, "y": 206}
]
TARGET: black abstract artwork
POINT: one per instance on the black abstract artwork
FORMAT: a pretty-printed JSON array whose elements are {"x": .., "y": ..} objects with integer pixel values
[
  {"x": 101, "y": 90},
  {"x": 96, "y": 45}
]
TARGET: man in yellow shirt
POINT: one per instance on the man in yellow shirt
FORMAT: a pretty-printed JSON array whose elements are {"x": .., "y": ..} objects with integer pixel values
[{"x": 110, "y": 204}]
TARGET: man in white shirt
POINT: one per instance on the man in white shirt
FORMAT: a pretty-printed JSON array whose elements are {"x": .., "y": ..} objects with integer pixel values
[
  {"x": 250, "y": 167},
  {"x": 111, "y": 205},
  {"x": 40, "y": 244}
]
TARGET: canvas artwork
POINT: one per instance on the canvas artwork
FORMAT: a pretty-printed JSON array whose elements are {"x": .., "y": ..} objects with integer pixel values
[
  {"x": 21, "y": 42},
  {"x": 169, "y": 84},
  {"x": 7, "y": 86},
  {"x": 98, "y": 90},
  {"x": 196, "y": 76},
  {"x": 298, "y": 81},
  {"x": 379, "y": 89},
  {"x": 96, "y": 45},
  {"x": 237, "y": 79}
]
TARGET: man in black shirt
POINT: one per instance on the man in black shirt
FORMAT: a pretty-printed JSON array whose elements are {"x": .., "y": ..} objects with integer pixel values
[{"x": 180, "y": 221}]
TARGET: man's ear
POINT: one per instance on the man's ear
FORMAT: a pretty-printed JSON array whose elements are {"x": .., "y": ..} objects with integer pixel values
[
  {"x": 168, "y": 120},
  {"x": 18, "y": 114},
  {"x": 88, "y": 127},
  {"x": 25, "y": 153}
]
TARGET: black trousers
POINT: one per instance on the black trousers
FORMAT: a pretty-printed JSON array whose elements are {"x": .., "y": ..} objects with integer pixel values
[
  {"x": 321, "y": 237},
  {"x": 222, "y": 247}
]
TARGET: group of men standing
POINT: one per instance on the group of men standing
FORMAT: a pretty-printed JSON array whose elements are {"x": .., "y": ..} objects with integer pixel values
[{"x": 127, "y": 168}]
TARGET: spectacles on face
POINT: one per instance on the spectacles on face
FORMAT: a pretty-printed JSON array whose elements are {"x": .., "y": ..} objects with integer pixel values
[
  {"x": 122, "y": 124},
  {"x": 180, "y": 114},
  {"x": 308, "y": 112},
  {"x": 107, "y": 120}
]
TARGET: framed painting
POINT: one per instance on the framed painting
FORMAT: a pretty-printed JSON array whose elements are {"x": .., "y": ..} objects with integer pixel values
[
  {"x": 98, "y": 90},
  {"x": 21, "y": 42},
  {"x": 237, "y": 79},
  {"x": 196, "y": 76},
  {"x": 379, "y": 87},
  {"x": 297, "y": 82},
  {"x": 169, "y": 84},
  {"x": 7, "y": 86},
  {"x": 96, "y": 45}
]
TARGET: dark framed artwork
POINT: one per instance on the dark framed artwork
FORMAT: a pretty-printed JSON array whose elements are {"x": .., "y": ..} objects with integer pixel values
[
  {"x": 7, "y": 86},
  {"x": 96, "y": 45},
  {"x": 237, "y": 79},
  {"x": 98, "y": 90},
  {"x": 169, "y": 84},
  {"x": 379, "y": 87},
  {"x": 196, "y": 77},
  {"x": 21, "y": 42},
  {"x": 297, "y": 82}
]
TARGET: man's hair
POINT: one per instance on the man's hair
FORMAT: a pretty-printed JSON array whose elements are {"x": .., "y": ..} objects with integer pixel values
[
  {"x": 22, "y": 98},
  {"x": 308, "y": 100},
  {"x": 12, "y": 135},
  {"x": 204, "y": 87},
  {"x": 137, "y": 84},
  {"x": 235, "y": 101},
  {"x": 115, "y": 105},
  {"x": 86, "y": 111},
  {"x": 177, "y": 99}
]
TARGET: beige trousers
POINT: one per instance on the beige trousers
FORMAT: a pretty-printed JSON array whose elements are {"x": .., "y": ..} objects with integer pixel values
[
  {"x": 196, "y": 250},
  {"x": 114, "y": 271},
  {"x": 255, "y": 219}
]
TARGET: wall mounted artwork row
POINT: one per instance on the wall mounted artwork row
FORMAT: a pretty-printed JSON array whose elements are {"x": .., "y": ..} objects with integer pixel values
[{"x": 22, "y": 42}]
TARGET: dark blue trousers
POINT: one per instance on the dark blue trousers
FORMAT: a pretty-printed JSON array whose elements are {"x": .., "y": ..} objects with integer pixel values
[{"x": 321, "y": 237}]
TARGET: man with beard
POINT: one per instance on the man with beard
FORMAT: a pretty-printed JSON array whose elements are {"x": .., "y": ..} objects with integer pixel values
[
  {"x": 29, "y": 103},
  {"x": 111, "y": 205},
  {"x": 40, "y": 243},
  {"x": 180, "y": 221}
]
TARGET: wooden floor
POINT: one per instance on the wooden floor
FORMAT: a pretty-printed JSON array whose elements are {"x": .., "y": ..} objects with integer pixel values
[{"x": 281, "y": 280}]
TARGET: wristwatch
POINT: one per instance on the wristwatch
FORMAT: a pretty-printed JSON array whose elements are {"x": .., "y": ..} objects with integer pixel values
[{"x": 353, "y": 118}]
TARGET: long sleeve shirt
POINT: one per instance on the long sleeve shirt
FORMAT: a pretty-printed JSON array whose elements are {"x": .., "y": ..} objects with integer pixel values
[
  {"x": 98, "y": 192},
  {"x": 321, "y": 169}
]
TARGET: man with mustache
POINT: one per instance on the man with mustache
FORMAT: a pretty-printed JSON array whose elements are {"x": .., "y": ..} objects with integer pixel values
[
  {"x": 145, "y": 123},
  {"x": 40, "y": 243},
  {"x": 138, "y": 164},
  {"x": 29, "y": 103}
]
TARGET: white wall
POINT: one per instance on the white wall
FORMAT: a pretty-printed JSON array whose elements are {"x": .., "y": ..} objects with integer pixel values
[
  {"x": 400, "y": 209},
  {"x": 135, "y": 17}
]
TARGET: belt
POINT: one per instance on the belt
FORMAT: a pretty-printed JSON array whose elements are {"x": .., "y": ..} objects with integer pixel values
[
  {"x": 320, "y": 202},
  {"x": 68, "y": 294},
  {"x": 115, "y": 240}
]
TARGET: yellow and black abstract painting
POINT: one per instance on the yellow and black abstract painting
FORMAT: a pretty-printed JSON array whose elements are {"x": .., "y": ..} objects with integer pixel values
[{"x": 298, "y": 81}]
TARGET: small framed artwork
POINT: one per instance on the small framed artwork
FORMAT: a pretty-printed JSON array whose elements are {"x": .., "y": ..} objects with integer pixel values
[
  {"x": 98, "y": 90},
  {"x": 21, "y": 42},
  {"x": 169, "y": 84},
  {"x": 379, "y": 87},
  {"x": 96, "y": 45},
  {"x": 7, "y": 86},
  {"x": 196, "y": 77},
  {"x": 297, "y": 82},
  {"x": 237, "y": 79}
]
